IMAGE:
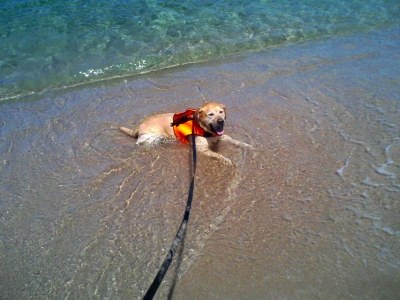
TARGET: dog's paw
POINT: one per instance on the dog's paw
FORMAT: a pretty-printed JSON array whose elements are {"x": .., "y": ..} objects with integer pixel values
[
  {"x": 227, "y": 162},
  {"x": 248, "y": 146}
]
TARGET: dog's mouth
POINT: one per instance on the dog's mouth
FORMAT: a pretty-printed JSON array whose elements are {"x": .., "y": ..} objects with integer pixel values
[{"x": 218, "y": 129}]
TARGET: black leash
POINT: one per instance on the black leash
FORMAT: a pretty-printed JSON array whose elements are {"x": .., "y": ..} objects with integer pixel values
[{"x": 168, "y": 259}]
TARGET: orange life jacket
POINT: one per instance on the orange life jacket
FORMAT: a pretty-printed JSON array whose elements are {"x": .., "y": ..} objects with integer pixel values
[{"x": 184, "y": 126}]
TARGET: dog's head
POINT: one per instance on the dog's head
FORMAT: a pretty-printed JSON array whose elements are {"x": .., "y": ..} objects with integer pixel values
[{"x": 211, "y": 117}]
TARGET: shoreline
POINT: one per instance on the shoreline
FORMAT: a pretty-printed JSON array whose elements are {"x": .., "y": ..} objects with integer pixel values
[{"x": 118, "y": 80}]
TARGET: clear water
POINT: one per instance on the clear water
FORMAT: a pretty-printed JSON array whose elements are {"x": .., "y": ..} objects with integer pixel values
[
  {"x": 311, "y": 212},
  {"x": 61, "y": 43}
]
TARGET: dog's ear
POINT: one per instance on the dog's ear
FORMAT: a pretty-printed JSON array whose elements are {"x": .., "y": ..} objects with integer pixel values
[
  {"x": 224, "y": 108},
  {"x": 198, "y": 113}
]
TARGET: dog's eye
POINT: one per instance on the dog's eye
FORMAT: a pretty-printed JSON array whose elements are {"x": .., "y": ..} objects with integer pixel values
[
  {"x": 221, "y": 111},
  {"x": 210, "y": 114}
]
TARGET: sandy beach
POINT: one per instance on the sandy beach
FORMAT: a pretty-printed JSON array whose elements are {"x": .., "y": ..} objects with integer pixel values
[{"x": 311, "y": 212}]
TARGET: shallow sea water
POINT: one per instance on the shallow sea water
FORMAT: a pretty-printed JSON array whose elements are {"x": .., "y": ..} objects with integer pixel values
[{"x": 312, "y": 212}]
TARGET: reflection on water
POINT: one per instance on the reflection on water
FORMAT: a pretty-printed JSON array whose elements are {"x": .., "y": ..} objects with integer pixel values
[{"x": 310, "y": 212}]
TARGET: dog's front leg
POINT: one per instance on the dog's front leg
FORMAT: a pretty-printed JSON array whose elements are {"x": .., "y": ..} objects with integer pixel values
[
  {"x": 203, "y": 146},
  {"x": 228, "y": 139},
  {"x": 205, "y": 150}
]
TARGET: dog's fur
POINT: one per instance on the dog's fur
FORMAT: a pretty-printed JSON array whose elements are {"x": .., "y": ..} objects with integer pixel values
[{"x": 210, "y": 117}]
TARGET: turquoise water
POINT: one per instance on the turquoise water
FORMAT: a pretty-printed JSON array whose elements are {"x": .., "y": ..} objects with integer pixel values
[{"x": 61, "y": 43}]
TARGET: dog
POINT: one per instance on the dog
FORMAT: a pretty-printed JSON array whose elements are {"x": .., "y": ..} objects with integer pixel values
[{"x": 205, "y": 124}]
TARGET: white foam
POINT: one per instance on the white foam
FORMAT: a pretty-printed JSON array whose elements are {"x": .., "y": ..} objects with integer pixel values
[
  {"x": 386, "y": 229},
  {"x": 362, "y": 215},
  {"x": 382, "y": 170},
  {"x": 340, "y": 171},
  {"x": 368, "y": 182}
]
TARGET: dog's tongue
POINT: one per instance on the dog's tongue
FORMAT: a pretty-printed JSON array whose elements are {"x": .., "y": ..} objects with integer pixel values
[{"x": 217, "y": 129}]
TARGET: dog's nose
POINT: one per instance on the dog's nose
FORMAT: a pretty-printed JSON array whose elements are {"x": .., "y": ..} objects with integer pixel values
[{"x": 220, "y": 121}]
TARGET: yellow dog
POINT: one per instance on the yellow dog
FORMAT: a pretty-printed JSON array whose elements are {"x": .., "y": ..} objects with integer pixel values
[{"x": 206, "y": 124}]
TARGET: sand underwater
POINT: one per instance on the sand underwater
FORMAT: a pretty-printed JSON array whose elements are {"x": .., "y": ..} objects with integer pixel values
[{"x": 312, "y": 212}]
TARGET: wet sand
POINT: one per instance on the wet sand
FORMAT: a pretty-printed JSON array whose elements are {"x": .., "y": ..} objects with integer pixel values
[{"x": 312, "y": 212}]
